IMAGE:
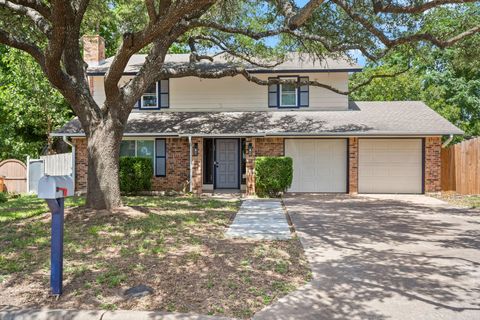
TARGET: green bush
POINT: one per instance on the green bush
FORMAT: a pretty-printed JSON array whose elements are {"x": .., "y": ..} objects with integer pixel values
[
  {"x": 135, "y": 174},
  {"x": 3, "y": 197},
  {"x": 273, "y": 175}
]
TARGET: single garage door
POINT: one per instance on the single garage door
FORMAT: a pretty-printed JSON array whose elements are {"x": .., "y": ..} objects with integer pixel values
[
  {"x": 390, "y": 166},
  {"x": 319, "y": 165}
]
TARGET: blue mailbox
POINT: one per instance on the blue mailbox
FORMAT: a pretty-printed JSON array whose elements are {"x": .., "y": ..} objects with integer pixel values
[{"x": 54, "y": 189}]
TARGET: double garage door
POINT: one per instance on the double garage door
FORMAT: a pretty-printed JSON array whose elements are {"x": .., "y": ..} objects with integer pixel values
[{"x": 384, "y": 165}]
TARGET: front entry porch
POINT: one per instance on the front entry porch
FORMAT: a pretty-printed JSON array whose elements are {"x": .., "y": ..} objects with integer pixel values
[{"x": 223, "y": 164}]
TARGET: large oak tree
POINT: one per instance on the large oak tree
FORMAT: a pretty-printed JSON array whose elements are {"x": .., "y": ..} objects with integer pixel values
[{"x": 256, "y": 31}]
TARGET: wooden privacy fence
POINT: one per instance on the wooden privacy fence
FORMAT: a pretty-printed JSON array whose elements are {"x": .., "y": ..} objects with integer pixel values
[
  {"x": 14, "y": 173},
  {"x": 461, "y": 167},
  {"x": 2, "y": 184}
]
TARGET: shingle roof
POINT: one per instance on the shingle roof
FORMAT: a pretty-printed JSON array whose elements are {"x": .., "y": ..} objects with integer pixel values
[
  {"x": 295, "y": 61},
  {"x": 362, "y": 119}
]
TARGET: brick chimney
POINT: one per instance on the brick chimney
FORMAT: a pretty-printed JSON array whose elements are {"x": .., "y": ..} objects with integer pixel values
[{"x": 93, "y": 50}]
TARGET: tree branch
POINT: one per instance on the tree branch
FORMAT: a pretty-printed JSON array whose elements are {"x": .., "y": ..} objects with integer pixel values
[
  {"x": 380, "y": 6},
  {"x": 234, "y": 53},
  {"x": 22, "y": 44},
  {"x": 391, "y": 43},
  {"x": 36, "y": 5},
  {"x": 152, "y": 13},
  {"x": 304, "y": 14},
  {"x": 40, "y": 21}
]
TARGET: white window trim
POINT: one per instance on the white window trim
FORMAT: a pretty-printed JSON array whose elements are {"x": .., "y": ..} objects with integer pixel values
[
  {"x": 157, "y": 106},
  {"x": 280, "y": 89}
]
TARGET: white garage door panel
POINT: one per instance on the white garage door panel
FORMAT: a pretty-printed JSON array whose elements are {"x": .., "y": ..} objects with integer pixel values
[
  {"x": 318, "y": 165},
  {"x": 390, "y": 166}
]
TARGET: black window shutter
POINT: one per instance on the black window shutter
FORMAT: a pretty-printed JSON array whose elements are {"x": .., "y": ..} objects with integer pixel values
[
  {"x": 303, "y": 92},
  {"x": 164, "y": 93},
  {"x": 160, "y": 157},
  {"x": 272, "y": 94}
]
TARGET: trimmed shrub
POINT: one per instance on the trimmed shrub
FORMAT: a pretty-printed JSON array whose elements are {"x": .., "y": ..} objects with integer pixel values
[
  {"x": 135, "y": 174},
  {"x": 3, "y": 197},
  {"x": 273, "y": 175}
]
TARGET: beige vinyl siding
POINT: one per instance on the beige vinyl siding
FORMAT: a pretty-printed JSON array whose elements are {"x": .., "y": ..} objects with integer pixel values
[
  {"x": 237, "y": 94},
  {"x": 99, "y": 88},
  {"x": 390, "y": 166}
]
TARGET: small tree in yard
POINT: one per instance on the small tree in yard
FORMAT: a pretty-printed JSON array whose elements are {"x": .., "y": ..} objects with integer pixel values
[{"x": 259, "y": 32}]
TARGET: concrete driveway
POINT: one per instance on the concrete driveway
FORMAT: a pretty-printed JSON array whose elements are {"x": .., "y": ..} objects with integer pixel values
[{"x": 384, "y": 258}]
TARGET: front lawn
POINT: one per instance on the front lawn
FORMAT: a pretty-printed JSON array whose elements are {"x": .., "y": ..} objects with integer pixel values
[
  {"x": 175, "y": 245},
  {"x": 26, "y": 206}
]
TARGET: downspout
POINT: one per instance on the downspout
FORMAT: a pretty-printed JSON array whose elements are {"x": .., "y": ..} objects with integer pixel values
[
  {"x": 447, "y": 142},
  {"x": 190, "y": 159},
  {"x": 73, "y": 159}
]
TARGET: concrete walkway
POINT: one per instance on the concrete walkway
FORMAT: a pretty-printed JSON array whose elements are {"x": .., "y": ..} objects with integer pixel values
[
  {"x": 384, "y": 258},
  {"x": 14, "y": 313},
  {"x": 260, "y": 219}
]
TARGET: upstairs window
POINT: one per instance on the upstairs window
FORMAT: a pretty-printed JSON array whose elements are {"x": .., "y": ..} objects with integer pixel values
[
  {"x": 288, "y": 92},
  {"x": 294, "y": 93},
  {"x": 156, "y": 96},
  {"x": 150, "y": 98}
]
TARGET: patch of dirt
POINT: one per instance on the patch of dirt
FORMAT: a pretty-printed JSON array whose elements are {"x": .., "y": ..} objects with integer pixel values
[
  {"x": 469, "y": 201},
  {"x": 180, "y": 252}
]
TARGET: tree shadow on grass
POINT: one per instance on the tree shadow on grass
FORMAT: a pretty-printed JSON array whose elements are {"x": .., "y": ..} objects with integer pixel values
[{"x": 180, "y": 252}]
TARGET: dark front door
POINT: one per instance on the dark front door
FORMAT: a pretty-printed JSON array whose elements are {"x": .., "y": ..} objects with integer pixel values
[{"x": 227, "y": 161}]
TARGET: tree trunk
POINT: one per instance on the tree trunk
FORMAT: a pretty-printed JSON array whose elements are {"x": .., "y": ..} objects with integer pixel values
[{"x": 103, "y": 145}]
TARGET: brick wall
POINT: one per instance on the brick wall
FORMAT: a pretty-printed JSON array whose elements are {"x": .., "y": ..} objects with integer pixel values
[
  {"x": 197, "y": 167},
  {"x": 178, "y": 168},
  {"x": 81, "y": 164},
  {"x": 250, "y": 167},
  {"x": 272, "y": 147},
  {"x": 433, "y": 146},
  {"x": 353, "y": 165}
]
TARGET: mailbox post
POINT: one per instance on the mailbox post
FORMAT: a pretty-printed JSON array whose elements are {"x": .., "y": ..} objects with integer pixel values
[{"x": 54, "y": 189}]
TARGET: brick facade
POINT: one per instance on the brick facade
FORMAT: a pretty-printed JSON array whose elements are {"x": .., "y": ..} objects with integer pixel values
[
  {"x": 272, "y": 147},
  {"x": 197, "y": 166},
  {"x": 250, "y": 166},
  {"x": 81, "y": 164},
  {"x": 353, "y": 165},
  {"x": 433, "y": 146},
  {"x": 178, "y": 168}
]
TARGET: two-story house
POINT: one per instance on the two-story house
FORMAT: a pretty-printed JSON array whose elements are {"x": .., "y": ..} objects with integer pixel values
[{"x": 204, "y": 134}]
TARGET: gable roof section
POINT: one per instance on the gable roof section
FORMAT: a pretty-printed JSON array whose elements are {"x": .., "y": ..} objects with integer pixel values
[
  {"x": 295, "y": 62},
  {"x": 399, "y": 118}
]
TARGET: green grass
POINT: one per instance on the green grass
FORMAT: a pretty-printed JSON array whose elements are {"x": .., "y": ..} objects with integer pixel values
[
  {"x": 27, "y": 206},
  {"x": 174, "y": 244}
]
